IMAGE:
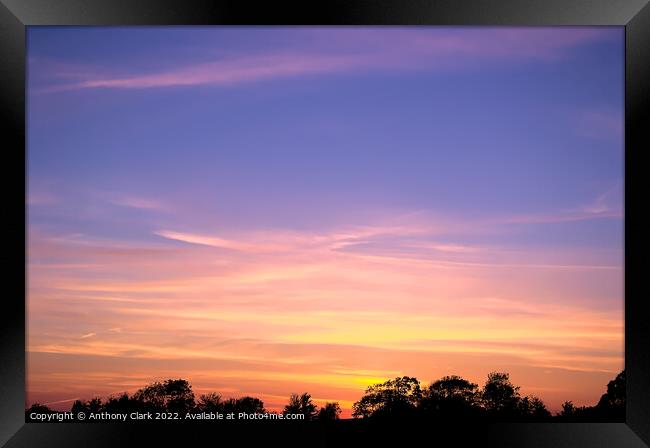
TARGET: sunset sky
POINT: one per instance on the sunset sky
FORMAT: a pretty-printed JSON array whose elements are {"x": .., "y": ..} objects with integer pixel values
[{"x": 264, "y": 211}]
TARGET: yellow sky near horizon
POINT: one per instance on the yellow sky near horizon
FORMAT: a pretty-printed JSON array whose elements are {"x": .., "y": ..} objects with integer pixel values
[
  {"x": 309, "y": 312},
  {"x": 273, "y": 210}
]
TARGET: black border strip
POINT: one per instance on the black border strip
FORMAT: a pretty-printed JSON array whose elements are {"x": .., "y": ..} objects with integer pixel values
[
  {"x": 15, "y": 15},
  {"x": 326, "y": 12}
]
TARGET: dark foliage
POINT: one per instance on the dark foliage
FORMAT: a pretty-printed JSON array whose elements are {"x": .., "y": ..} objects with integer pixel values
[
  {"x": 450, "y": 397},
  {"x": 499, "y": 396},
  {"x": 123, "y": 403},
  {"x": 614, "y": 398},
  {"x": 94, "y": 405},
  {"x": 393, "y": 398},
  {"x": 171, "y": 396},
  {"x": 248, "y": 405},
  {"x": 38, "y": 409},
  {"x": 211, "y": 402},
  {"x": 214, "y": 403},
  {"x": 532, "y": 408},
  {"x": 301, "y": 404},
  {"x": 610, "y": 407},
  {"x": 329, "y": 412}
]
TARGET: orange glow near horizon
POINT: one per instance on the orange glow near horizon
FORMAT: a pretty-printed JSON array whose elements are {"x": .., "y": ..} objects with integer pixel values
[
  {"x": 273, "y": 210},
  {"x": 306, "y": 313}
]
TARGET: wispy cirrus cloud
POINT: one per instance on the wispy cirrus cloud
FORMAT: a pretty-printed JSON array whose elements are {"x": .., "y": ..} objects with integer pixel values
[
  {"x": 284, "y": 298},
  {"x": 568, "y": 216},
  {"x": 283, "y": 240},
  {"x": 139, "y": 203},
  {"x": 364, "y": 49},
  {"x": 445, "y": 247},
  {"x": 155, "y": 264},
  {"x": 213, "y": 241},
  {"x": 608, "y": 202},
  {"x": 607, "y": 205}
]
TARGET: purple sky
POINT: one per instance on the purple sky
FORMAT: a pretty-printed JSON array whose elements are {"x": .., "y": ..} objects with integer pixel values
[{"x": 177, "y": 173}]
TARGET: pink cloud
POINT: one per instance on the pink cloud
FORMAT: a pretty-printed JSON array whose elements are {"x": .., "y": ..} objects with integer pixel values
[
  {"x": 286, "y": 309},
  {"x": 606, "y": 205},
  {"x": 213, "y": 241},
  {"x": 139, "y": 203},
  {"x": 225, "y": 72},
  {"x": 344, "y": 51}
]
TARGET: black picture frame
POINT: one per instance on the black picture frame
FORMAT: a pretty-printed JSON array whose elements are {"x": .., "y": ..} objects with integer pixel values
[{"x": 634, "y": 15}]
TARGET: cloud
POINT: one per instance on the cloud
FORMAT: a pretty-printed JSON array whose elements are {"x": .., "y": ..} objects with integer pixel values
[
  {"x": 569, "y": 216},
  {"x": 286, "y": 240},
  {"x": 443, "y": 247},
  {"x": 349, "y": 51},
  {"x": 401, "y": 258},
  {"x": 224, "y": 73},
  {"x": 58, "y": 402},
  {"x": 214, "y": 241},
  {"x": 607, "y": 203},
  {"x": 139, "y": 203},
  {"x": 605, "y": 206},
  {"x": 285, "y": 308}
]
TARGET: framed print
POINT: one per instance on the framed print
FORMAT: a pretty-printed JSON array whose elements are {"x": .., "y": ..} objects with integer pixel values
[{"x": 346, "y": 223}]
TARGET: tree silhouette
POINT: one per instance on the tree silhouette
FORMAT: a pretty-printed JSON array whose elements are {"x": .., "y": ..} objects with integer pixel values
[
  {"x": 248, "y": 405},
  {"x": 499, "y": 396},
  {"x": 301, "y": 404},
  {"x": 94, "y": 405},
  {"x": 122, "y": 403},
  {"x": 448, "y": 397},
  {"x": 451, "y": 396},
  {"x": 210, "y": 403},
  {"x": 396, "y": 398},
  {"x": 37, "y": 408},
  {"x": 171, "y": 395},
  {"x": 568, "y": 410},
  {"x": 614, "y": 399},
  {"x": 610, "y": 407},
  {"x": 533, "y": 408},
  {"x": 329, "y": 412}
]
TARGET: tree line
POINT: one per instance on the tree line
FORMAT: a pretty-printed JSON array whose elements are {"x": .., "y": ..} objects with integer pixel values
[
  {"x": 450, "y": 397},
  {"x": 453, "y": 397}
]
